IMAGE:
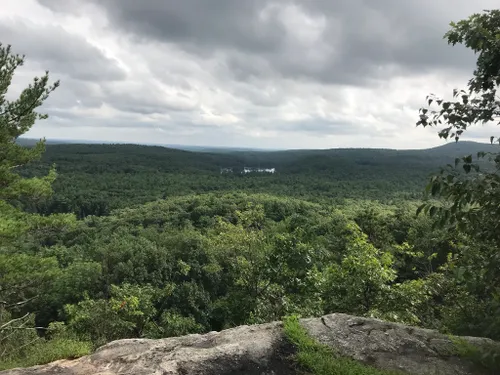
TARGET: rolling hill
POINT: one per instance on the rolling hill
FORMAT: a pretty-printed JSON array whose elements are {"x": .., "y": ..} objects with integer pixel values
[{"x": 97, "y": 178}]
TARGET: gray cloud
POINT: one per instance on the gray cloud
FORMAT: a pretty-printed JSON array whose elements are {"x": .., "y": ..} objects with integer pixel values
[
  {"x": 318, "y": 126},
  {"x": 357, "y": 42},
  {"x": 154, "y": 103},
  {"x": 232, "y": 68},
  {"x": 205, "y": 24},
  {"x": 74, "y": 92},
  {"x": 59, "y": 51}
]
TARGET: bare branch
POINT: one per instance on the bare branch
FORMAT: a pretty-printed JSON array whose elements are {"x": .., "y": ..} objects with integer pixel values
[
  {"x": 17, "y": 304},
  {"x": 2, "y": 327}
]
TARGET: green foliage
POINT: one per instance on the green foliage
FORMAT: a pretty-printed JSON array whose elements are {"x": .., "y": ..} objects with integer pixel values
[
  {"x": 469, "y": 190},
  {"x": 473, "y": 195},
  {"x": 162, "y": 269},
  {"x": 128, "y": 313},
  {"x": 410, "y": 302},
  {"x": 25, "y": 348},
  {"x": 486, "y": 357},
  {"x": 96, "y": 179},
  {"x": 15, "y": 336},
  {"x": 258, "y": 259},
  {"x": 23, "y": 275},
  {"x": 320, "y": 359},
  {"x": 172, "y": 324},
  {"x": 26, "y": 274},
  {"x": 361, "y": 279},
  {"x": 16, "y": 118}
]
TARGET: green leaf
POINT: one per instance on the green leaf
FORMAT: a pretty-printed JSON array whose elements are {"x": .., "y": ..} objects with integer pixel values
[
  {"x": 420, "y": 208},
  {"x": 435, "y": 188}
]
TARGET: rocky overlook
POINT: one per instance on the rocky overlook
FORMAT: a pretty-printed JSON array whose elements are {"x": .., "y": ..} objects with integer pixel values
[{"x": 264, "y": 350}]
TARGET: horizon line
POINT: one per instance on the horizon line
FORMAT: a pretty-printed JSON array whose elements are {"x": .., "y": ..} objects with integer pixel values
[{"x": 184, "y": 146}]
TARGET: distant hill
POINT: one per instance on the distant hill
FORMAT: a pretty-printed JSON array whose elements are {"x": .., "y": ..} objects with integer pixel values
[
  {"x": 463, "y": 148},
  {"x": 351, "y": 161},
  {"x": 450, "y": 148},
  {"x": 32, "y": 141},
  {"x": 96, "y": 178}
]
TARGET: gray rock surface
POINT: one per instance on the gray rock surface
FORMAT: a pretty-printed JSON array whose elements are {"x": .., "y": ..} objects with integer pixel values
[
  {"x": 263, "y": 350},
  {"x": 392, "y": 346}
]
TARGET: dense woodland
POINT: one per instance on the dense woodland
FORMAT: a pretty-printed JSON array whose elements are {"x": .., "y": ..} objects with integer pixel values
[
  {"x": 94, "y": 179},
  {"x": 102, "y": 242}
]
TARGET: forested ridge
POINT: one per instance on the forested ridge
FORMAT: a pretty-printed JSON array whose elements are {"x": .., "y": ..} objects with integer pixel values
[
  {"x": 94, "y": 179},
  {"x": 103, "y": 242}
]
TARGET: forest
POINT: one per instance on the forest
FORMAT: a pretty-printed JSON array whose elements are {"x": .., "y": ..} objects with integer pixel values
[
  {"x": 95, "y": 179},
  {"x": 104, "y": 242}
]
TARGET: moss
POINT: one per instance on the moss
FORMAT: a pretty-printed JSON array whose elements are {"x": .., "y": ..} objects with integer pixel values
[{"x": 320, "y": 359}]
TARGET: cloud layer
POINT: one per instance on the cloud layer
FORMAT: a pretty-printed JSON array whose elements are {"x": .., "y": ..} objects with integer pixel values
[{"x": 257, "y": 73}]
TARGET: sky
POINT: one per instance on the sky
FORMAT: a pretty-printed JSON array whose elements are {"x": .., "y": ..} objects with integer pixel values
[{"x": 241, "y": 73}]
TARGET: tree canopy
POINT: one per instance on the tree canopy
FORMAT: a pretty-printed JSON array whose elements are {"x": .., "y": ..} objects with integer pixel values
[{"x": 470, "y": 189}]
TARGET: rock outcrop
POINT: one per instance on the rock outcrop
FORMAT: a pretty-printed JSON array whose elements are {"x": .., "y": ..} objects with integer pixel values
[{"x": 263, "y": 350}]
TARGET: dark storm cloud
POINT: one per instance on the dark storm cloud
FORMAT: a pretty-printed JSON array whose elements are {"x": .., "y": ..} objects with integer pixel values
[
  {"x": 59, "y": 51},
  {"x": 363, "y": 40}
]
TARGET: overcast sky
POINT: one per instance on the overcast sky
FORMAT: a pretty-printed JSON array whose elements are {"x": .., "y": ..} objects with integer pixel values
[{"x": 250, "y": 73}]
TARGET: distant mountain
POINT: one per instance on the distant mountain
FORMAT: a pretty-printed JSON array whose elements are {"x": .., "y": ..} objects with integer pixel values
[
  {"x": 449, "y": 149},
  {"x": 338, "y": 161},
  {"x": 215, "y": 149},
  {"x": 463, "y": 148},
  {"x": 32, "y": 141}
]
